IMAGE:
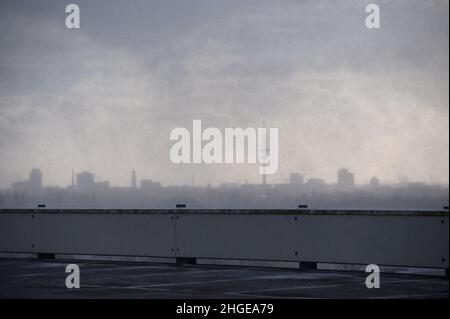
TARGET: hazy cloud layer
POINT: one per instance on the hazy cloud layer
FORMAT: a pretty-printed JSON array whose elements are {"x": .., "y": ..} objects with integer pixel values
[{"x": 105, "y": 97}]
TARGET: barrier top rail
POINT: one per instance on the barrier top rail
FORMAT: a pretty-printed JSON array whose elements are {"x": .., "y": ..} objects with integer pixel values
[{"x": 181, "y": 211}]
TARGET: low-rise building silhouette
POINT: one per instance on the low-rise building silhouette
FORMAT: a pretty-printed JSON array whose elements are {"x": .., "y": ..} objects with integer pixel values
[{"x": 345, "y": 179}]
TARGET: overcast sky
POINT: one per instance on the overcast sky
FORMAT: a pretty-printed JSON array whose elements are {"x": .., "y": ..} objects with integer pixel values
[{"x": 105, "y": 97}]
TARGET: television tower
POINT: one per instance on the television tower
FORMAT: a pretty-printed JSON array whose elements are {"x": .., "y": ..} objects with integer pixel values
[
  {"x": 264, "y": 154},
  {"x": 73, "y": 181}
]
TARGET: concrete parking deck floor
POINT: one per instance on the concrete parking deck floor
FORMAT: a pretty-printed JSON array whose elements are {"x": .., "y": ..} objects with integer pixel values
[{"x": 21, "y": 278}]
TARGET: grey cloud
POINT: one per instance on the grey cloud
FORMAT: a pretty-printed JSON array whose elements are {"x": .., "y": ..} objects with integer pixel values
[{"x": 105, "y": 97}]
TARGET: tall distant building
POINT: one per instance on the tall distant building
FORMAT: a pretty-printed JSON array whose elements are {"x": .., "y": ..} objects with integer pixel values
[
  {"x": 345, "y": 178},
  {"x": 31, "y": 186},
  {"x": 85, "y": 182},
  {"x": 133, "y": 179},
  {"x": 35, "y": 179}
]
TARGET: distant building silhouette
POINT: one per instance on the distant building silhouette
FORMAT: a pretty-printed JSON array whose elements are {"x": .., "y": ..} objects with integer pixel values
[
  {"x": 85, "y": 182},
  {"x": 35, "y": 180},
  {"x": 403, "y": 179},
  {"x": 101, "y": 187},
  {"x": 31, "y": 186},
  {"x": 316, "y": 184},
  {"x": 374, "y": 182},
  {"x": 345, "y": 178},
  {"x": 296, "y": 179},
  {"x": 149, "y": 185},
  {"x": 86, "y": 192}
]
